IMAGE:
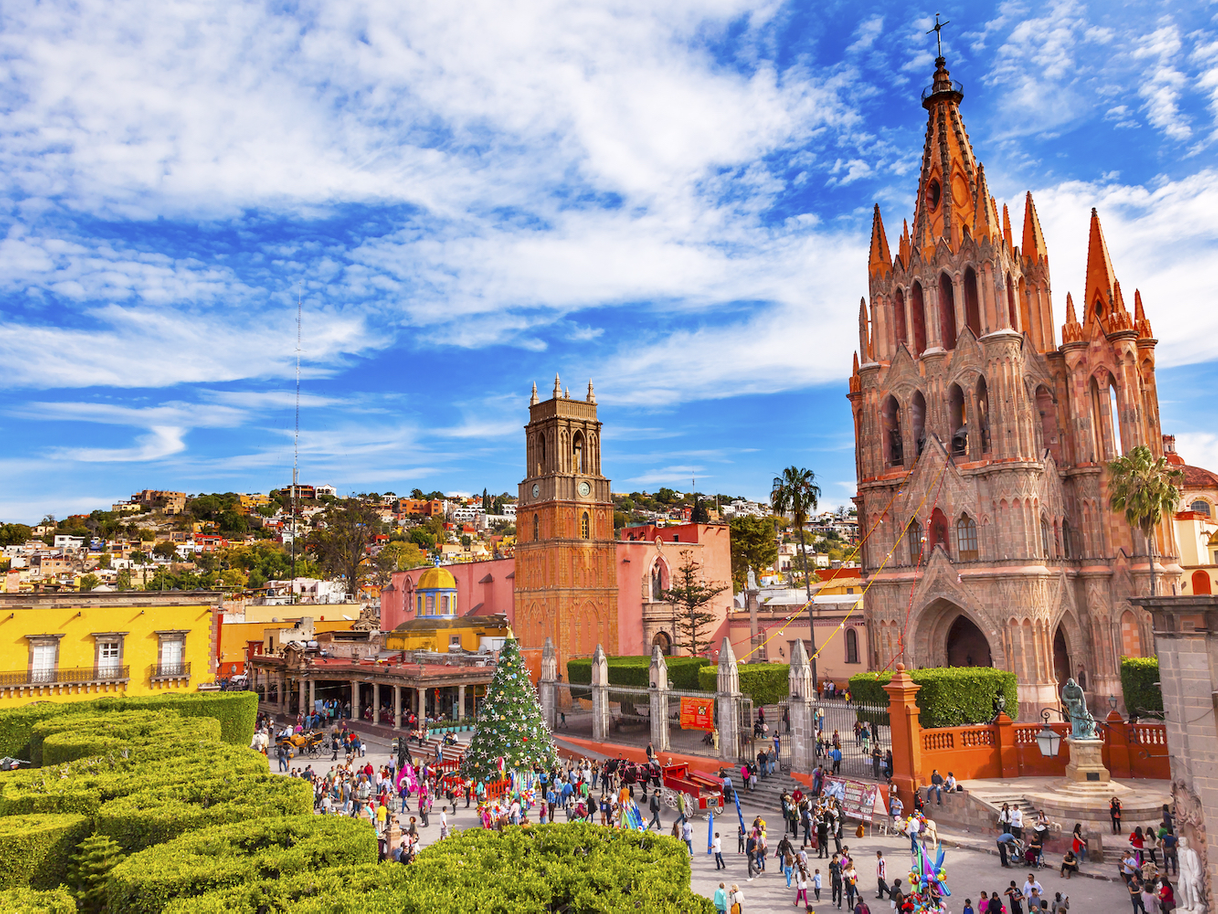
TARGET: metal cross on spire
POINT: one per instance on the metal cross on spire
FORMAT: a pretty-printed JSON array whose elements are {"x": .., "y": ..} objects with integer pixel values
[{"x": 938, "y": 30}]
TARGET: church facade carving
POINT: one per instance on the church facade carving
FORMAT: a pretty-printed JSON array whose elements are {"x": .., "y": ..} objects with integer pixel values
[{"x": 981, "y": 440}]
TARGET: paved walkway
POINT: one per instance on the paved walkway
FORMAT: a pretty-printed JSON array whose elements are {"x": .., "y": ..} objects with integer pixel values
[{"x": 971, "y": 861}]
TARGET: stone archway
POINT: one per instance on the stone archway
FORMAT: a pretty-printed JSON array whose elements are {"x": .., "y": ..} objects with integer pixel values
[
  {"x": 1062, "y": 667},
  {"x": 664, "y": 642},
  {"x": 966, "y": 644}
]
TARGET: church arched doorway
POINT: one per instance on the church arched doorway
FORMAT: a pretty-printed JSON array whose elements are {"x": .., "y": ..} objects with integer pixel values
[
  {"x": 663, "y": 642},
  {"x": 967, "y": 645},
  {"x": 1062, "y": 669}
]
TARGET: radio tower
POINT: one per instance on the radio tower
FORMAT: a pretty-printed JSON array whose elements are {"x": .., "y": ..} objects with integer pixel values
[{"x": 296, "y": 443}]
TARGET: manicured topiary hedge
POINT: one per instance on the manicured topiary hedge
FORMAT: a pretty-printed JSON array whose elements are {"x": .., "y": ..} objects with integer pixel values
[
  {"x": 156, "y": 814},
  {"x": 765, "y": 683},
  {"x": 949, "y": 696},
  {"x": 32, "y": 901},
  {"x": 35, "y": 850},
  {"x": 83, "y": 785},
  {"x": 236, "y": 712},
  {"x": 575, "y": 867},
  {"x": 232, "y": 855},
  {"x": 635, "y": 671},
  {"x": 1140, "y": 685},
  {"x": 73, "y": 736}
]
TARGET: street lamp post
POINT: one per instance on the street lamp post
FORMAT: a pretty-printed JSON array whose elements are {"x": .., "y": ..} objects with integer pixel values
[{"x": 1048, "y": 740}]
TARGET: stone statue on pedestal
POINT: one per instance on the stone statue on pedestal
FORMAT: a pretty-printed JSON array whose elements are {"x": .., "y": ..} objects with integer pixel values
[
  {"x": 1189, "y": 882},
  {"x": 1082, "y": 724}
]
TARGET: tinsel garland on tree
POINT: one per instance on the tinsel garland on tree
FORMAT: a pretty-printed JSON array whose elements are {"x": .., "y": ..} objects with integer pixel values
[{"x": 510, "y": 725}]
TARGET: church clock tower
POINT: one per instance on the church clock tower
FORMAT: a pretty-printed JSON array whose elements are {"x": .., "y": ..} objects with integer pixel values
[{"x": 566, "y": 576}]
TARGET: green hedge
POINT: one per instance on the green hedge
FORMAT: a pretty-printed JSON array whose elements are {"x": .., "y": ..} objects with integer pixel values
[
  {"x": 574, "y": 867},
  {"x": 235, "y": 855},
  {"x": 765, "y": 683},
  {"x": 631, "y": 670},
  {"x": 236, "y": 712},
  {"x": 68, "y": 737},
  {"x": 156, "y": 815},
  {"x": 31, "y": 901},
  {"x": 949, "y": 696},
  {"x": 36, "y": 850},
  {"x": 1140, "y": 686},
  {"x": 84, "y": 785}
]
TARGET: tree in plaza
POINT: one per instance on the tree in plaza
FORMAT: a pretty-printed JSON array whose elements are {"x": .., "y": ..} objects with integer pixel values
[
  {"x": 340, "y": 544},
  {"x": 753, "y": 545},
  {"x": 510, "y": 725},
  {"x": 689, "y": 594},
  {"x": 795, "y": 492},
  {"x": 1144, "y": 488}
]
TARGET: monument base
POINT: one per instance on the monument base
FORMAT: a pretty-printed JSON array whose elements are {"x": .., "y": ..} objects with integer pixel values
[{"x": 1085, "y": 772}]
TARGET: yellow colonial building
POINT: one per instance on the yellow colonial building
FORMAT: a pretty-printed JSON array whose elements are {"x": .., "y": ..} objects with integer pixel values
[{"x": 76, "y": 646}]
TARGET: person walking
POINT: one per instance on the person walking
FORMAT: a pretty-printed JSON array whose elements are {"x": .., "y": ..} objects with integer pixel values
[
  {"x": 687, "y": 835},
  {"x": 654, "y": 806},
  {"x": 720, "y": 899},
  {"x": 881, "y": 875},
  {"x": 735, "y": 900},
  {"x": 835, "y": 880},
  {"x": 801, "y": 887},
  {"x": 717, "y": 849}
]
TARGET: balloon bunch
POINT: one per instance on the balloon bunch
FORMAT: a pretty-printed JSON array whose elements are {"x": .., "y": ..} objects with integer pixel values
[{"x": 927, "y": 878}]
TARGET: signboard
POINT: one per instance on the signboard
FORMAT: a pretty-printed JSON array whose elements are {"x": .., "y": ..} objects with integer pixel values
[
  {"x": 698, "y": 714},
  {"x": 857, "y": 798}
]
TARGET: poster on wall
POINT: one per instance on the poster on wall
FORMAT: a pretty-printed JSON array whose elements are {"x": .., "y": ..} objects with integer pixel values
[
  {"x": 857, "y": 798},
  {"x": 697, "y": 714}
]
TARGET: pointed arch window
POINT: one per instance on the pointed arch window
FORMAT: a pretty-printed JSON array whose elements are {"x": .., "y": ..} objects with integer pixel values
[
  {"x": 972, "y": 305},
  {"x": 938, "y": 529},
  {"x": 983, "y": 414},
  {"x": 913, "y": 536},
  {"x": 947, "y": 312},
  {"x": 917, "y": 309},
  {"x": 966, "y": 539},
  {"x": 1045, "y": 539},
  {"x": 657, "y": 583},
  {"x": 541, "y": 454},
  {"x": 1066, "y": 549},
  {"x": 577, "y": 453},
  {"x": 898, "y": 320},
  {"x": 917, "y": 417},
  {"x": 585, "y": 526},
  {"x": 536, "y": 527},
  {"x": 957, "y": 428},
  {"x": 894, "y": 450}
]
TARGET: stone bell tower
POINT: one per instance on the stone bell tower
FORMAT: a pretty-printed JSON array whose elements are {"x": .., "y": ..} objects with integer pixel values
[{"x": 565, "y": 587}]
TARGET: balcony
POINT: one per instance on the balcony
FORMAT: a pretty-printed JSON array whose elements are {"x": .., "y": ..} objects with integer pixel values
[
  {"x": 57, "y": 677},
  {"x": 161, "y": 671}
]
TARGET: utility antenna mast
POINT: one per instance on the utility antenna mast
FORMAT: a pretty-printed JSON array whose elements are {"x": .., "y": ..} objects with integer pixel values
[{"x": 296, "y": 442}]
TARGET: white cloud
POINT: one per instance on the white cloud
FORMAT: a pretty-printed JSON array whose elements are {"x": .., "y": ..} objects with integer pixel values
[{"x": 161, "y": 441}]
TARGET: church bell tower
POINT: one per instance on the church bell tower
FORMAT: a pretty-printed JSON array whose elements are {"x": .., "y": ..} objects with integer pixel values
[{"x": 566, "y": 574}]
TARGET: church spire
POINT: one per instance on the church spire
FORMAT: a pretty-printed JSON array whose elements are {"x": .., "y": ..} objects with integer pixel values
[
  {"x": 881, "y": 261},
  {"x": 864, "y": 336},
  {"x": 1033, "y": 246},
  {"x": 947, "y": 185},
  {"x": 533, "y": 399},
  {"x": 557, "y": 387},
  {"x": 1006, "y": 228},
  {"x": 1140, "y": 323},
  {"x": 1101, "y": 280},
  {"x": 1072, "y": 330},
  {"x": 985, "y": 220}
]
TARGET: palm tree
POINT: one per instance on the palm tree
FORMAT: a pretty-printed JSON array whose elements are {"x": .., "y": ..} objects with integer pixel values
[
  {"x": 795, "y": 492},
  {"x": 1144, "y": 488}
]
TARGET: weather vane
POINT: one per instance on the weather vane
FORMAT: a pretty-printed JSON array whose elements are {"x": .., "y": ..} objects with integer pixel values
[{"x": 938, "y": 30}]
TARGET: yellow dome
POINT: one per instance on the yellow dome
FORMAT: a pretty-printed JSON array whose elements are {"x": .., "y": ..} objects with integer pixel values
[{"x": 436, "y": 579}]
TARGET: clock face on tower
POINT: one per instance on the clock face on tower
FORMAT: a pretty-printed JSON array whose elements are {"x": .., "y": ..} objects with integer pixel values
[
  {"x": 584, "y": 489},
  {"x": 536, "y": 490}
]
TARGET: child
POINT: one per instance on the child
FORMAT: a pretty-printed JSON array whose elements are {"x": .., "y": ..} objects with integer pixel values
[
  {"x": 816, "y": 884},
  {"x": 968, "y": 907},
  {"x": 717, "y": 847},
  {"x": 740, "y": 839}
]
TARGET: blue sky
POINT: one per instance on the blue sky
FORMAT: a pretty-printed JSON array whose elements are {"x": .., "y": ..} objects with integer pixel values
[{"x": 671, "y": 199}]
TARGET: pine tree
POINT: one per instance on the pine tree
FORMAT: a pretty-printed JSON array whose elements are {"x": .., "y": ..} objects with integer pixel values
[
  {"x": 94, "y": 859},
  {"x": 510, "y": 725},
  {"x": 689, "y": 594}
]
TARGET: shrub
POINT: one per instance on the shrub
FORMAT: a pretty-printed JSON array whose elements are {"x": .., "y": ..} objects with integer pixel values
[
  {"x": 35, "y": 850},
  {"x": 89, "y": 870},
  {"x": 31, "y": 901},
  {"x": 579, "y": 868},
  {"x": 238, "y": 854},
  {"x": 636, "y": 671},
  {"x": 83, "y": 785},
  {"x": 73, "y": 736},
  {"x": 236, "y": 712},
  {"x": 765, "y": 683},
  {"x": 155, "y": 815},
  {"x": 949, "y": 696},
  {"x": 1140, "y": 686}
]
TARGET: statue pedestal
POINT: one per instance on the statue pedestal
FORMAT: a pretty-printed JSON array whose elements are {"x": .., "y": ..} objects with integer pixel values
[{"x": 1085, "y": 772}]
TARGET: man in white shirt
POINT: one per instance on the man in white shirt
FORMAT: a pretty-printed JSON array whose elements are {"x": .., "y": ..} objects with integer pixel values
[{"x": 1029, "y": 886}]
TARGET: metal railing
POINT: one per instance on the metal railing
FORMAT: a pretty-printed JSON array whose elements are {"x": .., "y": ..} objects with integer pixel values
[
  {"x": 170, "y": 671},
  {"x": 63, "y": 677},
  {"x": 955, "y": 86}
]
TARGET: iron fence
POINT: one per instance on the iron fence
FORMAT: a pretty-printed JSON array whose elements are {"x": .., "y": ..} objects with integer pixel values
[{"x": 856, "y": 730}]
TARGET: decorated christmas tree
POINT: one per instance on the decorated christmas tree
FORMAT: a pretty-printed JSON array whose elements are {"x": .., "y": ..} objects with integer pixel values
[{"x": 511, "y": 734}]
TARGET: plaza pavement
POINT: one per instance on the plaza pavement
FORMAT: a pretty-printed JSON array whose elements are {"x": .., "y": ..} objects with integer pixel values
[{"x": 971, "y": 868}]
